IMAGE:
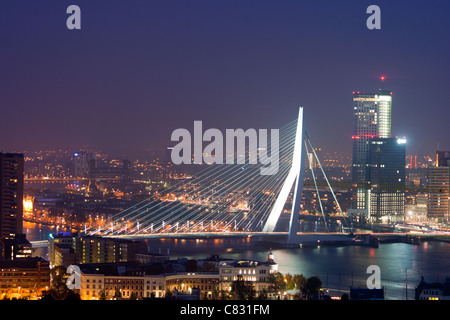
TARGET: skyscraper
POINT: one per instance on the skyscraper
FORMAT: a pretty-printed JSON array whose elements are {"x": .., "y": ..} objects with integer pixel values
[
  {"x": 386, "y": 176},
  {"x": 11, "y": 194},
  {"x": 438, "y": 177},
  {"x": 371, "y": 119},
  {"x": 81, "y": 162}
]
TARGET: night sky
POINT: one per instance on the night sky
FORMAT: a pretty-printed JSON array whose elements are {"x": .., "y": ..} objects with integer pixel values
[{"x": 137, "y": 70}]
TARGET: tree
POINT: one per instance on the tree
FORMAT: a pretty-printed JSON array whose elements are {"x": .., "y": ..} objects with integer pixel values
[
  {"x": 243, "y": 289},
  {"x": 133, "y": 295},
  {"x": 117, "y": 294},
  {"x": 102, "y": 295},
  {"x": 168, "y": 294},
  {"x": 262, "y": 295},
  {"x": 59, "y": 290},
  {"x": 299, "y": 281},
  {"x": 312, "y": 287},
  {"x": 277, "y": 280},
  {"x": 288, "y": 279}
]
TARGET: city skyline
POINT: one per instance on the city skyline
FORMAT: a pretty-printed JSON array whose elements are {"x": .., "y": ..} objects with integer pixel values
[
  {"x": 134, "y": 73},
  {"x": 228, "y": 151}
]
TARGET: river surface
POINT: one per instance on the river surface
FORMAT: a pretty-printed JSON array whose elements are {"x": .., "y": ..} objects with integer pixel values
[{"x": 401, "y": 264}]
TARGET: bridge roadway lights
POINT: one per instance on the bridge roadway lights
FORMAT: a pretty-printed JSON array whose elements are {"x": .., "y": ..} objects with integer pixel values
[
  {"x": 198, "y": 235},
  {"x": 306, "y": 239}
]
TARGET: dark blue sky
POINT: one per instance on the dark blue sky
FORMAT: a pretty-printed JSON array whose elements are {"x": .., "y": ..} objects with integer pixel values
[{"x": 137, "y": 70}]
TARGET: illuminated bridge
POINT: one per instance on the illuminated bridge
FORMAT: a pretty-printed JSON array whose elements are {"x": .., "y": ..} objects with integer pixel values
[{"x": 232, "y": 199}]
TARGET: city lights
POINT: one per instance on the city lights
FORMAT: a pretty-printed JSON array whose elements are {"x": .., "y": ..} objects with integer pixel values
[{"x": 299, "y": 177}]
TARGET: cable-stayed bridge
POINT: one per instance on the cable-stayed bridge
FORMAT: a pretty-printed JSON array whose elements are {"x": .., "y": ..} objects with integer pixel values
[{"x": 231, "y": 199}]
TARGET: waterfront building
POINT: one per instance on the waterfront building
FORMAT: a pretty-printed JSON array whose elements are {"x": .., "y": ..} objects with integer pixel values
[
  {"x": 108, "y": 281},
  {"x": 371, "y": 119},
  {"x": 132, "y": 281},
  {"x": 108, "y": 286},
  {"x": 438, "y": 193},
  {"x": 438, "y": 179},
  {"x": 26, "y": 278},
  {"x": 186, "y": 282},
  {"x": 386, "y": 177},
  {"x": 433, "y": 291},
  {"x": 417, "y": 212},
  {"x": 255, "y": 273},
  {"x": 93, "y": 249}
]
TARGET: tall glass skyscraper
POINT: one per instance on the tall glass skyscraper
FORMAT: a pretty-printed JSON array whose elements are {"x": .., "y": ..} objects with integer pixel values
[
  {"x": 371, "y": 119},
  {"x": 386, "y": 176}
]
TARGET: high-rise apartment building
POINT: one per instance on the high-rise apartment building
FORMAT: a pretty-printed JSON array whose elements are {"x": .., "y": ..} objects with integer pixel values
[
  {"x": 11, "y": 194},
  {"x": 371, "y": 119}
]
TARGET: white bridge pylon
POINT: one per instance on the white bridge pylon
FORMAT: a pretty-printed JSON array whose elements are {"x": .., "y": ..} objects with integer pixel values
[{"x": 295, "y": 176}]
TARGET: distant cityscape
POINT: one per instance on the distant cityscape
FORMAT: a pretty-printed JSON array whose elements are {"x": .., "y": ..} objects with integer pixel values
[
  {"x": 83, "y": 189},
  {"x": 79, "y": 192}
]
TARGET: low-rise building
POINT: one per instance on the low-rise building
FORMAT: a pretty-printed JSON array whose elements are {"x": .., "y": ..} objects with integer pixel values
[
  {"x": 142, "y": 281},
  {"x": 254, "y": 273},
  {"x": 154, "y": 286},
  {"x": 433, "y": 291},
  {"x": 25, "y": 278},
  {"x": 119, "y": 281},
  {"x": 185, "y": 282}
]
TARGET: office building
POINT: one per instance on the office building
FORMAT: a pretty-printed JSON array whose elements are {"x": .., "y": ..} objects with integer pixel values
[
  {"x": 417, "y": 212},
  {"x": 11, "y": 194},
  {"x": 386, "y": 177},
  {"x": 371, "y": 119},
  {"x": 438, "y": 178}
]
